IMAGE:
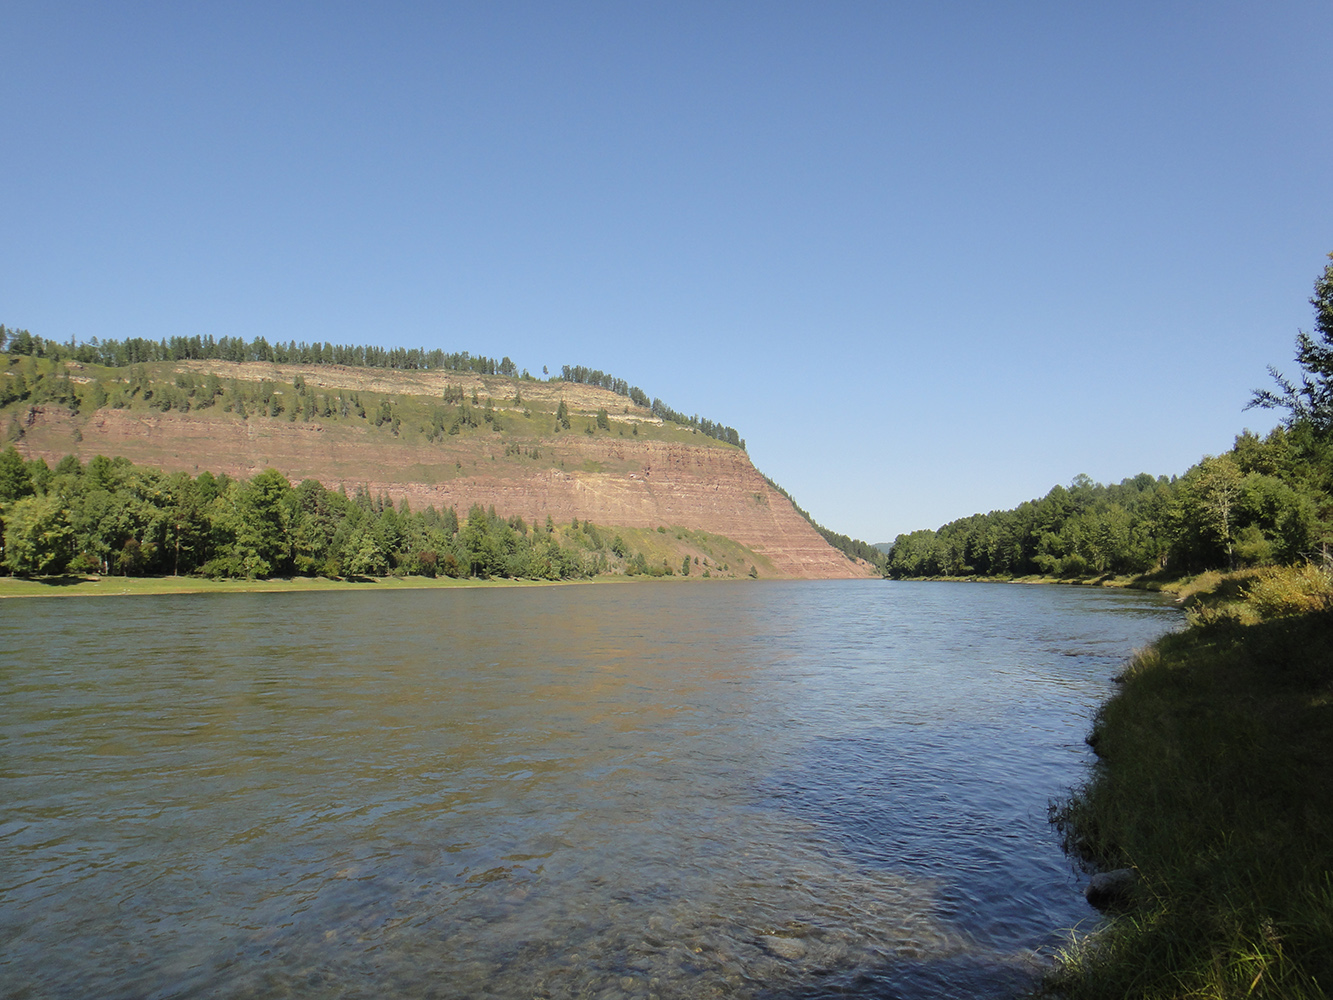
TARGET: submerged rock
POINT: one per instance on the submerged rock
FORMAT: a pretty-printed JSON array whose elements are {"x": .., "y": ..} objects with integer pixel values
[{"x": 788, "y": 948}]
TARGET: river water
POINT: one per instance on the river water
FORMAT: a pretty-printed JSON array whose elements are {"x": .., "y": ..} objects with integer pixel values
[{"x": 783, "y": 790}]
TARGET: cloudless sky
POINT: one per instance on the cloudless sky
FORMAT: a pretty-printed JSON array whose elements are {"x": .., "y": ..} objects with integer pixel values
[{"x": 928, "y": 259}]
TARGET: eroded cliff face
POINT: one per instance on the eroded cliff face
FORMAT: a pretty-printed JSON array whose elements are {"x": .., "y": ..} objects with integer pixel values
[{"x": 613, "y": 481}]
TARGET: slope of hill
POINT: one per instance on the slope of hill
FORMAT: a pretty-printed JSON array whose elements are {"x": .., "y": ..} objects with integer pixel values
[{"x": 527, "y": 447}]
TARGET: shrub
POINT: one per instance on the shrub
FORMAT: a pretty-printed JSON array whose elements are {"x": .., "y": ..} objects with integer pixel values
[
  {"x": 1283, "y": 591},
  {"x": 85, "y": 563},
  {"x": 220, "y": 569}
]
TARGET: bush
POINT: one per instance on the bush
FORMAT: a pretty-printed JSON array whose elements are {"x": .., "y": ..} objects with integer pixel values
[
  {"x": 85, "y": 563},
  {"x": 220, "y": 569},
  {"x": 1283, "y": 591},
  {"x": 1073, "y": 565}
]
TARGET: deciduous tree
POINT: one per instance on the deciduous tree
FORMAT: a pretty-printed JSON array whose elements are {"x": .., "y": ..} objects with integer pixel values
[{"x": 1312, "y": 399}]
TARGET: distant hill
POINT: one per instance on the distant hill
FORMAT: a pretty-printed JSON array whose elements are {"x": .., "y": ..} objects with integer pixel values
[{"x": 433, "y": 435}]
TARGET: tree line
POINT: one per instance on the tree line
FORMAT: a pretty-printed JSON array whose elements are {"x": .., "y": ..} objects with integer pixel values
[
  {"x": 1266, "y": 500},
  {"x": 582, "y": 375},
  {"x": 110, "y": 516},
  {"x": 138, "y": 350}
]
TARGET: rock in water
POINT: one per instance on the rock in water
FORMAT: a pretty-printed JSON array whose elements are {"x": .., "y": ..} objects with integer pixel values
[
  {"x": 1111, "y": 890},
  {"x": 787, "y": 948}
]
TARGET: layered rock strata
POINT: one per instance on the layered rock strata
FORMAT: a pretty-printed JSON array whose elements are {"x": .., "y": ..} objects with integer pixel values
[{"x": 609, "y": 480}]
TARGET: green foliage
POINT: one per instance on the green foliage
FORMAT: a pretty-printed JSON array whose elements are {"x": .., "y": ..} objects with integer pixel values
[
  {"x": 37, "y": 536},
  {"x": 136, "y": 350},
  {"x": 261, "y": 526},
  {"x": 1311, "y": 401},
  {"x": 15, "y": 481},
  {"x": 114, "y": 517},
  {"x": 1264, "y": 501},
  {"x": 1289, "y": 591}
]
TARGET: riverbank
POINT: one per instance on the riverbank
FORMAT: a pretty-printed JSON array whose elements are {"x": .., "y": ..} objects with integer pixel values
[
  {"x": 125, "y": 586},
  {"x": 1143, "y": 581},
  {"x": 128, "y": 586},
  {"x": 1213, "y": 785}
]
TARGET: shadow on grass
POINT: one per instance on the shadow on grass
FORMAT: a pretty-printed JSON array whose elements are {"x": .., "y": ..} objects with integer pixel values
[{"x": 61, "y": 581}]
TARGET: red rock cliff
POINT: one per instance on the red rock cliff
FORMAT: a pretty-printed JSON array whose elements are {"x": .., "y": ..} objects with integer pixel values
[{"x": 609, "y": 480}]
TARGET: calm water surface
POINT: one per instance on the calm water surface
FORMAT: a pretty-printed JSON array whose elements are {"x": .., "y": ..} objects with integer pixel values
[{"x": 785, "y": 790}]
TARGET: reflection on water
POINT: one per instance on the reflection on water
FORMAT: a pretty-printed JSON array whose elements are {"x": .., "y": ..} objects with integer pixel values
[{"x": 767, "y": 790}]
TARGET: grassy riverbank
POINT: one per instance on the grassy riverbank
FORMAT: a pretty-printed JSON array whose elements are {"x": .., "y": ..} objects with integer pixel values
[
  {"x": 1132, "y": 581},
  {"x": 122, "y": 586},
  {"x": 1214, "y": 785}
]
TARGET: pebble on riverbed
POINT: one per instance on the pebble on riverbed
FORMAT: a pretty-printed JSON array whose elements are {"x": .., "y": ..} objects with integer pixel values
[{"x": 788, "y": 948}]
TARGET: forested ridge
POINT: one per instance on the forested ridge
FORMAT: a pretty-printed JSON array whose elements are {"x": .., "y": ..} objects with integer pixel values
[
  {"x": 593, "y": 376},
  {"x": 1267, "y": 500},
  {"x": 138, "y": 351},
  {"x": 172, "y": 375},
  {"x": 109, "y": 516}
]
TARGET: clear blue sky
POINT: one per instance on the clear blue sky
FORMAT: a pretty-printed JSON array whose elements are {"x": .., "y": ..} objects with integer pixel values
[{"x": 929, "y": 259}]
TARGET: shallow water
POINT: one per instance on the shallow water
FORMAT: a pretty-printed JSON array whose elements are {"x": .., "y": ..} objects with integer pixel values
[{"x": 751, "y": 790}]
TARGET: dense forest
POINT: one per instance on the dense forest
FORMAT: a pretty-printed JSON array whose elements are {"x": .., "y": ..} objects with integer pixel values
[
  {"x": 111, "y": 516},
  {"x": 1267, "y": 500}
]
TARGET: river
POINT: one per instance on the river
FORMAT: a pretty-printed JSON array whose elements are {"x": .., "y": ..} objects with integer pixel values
[{"x": 782, "y": 790}]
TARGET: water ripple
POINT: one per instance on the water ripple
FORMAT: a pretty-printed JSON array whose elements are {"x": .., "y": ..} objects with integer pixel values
[{"x": 762, "y": 790}]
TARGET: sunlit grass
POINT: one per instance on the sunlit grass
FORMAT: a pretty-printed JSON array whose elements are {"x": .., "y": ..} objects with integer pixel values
[{"x": 1215, "y": 786}]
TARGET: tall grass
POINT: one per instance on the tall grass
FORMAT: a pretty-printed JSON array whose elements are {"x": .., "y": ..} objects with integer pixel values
[{"x": 1215, "y": 784}]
